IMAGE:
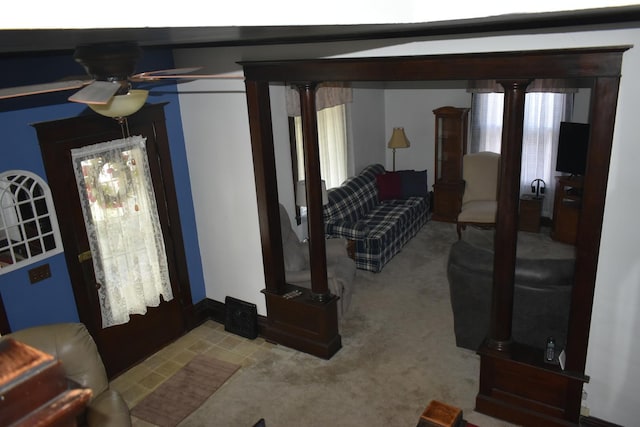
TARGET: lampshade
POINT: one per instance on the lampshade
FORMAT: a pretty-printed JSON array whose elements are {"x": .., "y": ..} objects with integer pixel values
[
  {"x": 122, "y": 105},
  {"x": 301, "y": 193},
  {"x": 398, "y": 139}
]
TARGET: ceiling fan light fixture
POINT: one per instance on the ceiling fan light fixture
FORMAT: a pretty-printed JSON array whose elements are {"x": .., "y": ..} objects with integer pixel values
[{"x": 122, "y": 105}]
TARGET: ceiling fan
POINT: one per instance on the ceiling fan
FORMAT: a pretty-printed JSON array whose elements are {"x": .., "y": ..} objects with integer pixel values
[{"x": 110, "y": 73}]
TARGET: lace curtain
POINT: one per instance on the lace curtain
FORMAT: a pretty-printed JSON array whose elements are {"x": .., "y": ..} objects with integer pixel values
[
  {"x": 542, "y": 116},
  {"x": 123, "y": 228}
]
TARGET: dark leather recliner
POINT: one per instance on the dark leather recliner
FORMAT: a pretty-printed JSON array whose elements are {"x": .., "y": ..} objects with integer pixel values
[
  {"x": 542, "y": 297},
  {"x": 72, "y": 344}
]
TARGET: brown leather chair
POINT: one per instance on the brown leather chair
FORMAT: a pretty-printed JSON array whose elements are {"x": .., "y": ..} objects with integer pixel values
[{"x": 72, "y": 344}]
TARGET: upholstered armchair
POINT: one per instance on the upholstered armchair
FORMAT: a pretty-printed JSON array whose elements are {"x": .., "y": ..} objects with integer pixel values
[
  {"x": 341, "y": 269},
  {"x": 72, "y": 344},
  {"x": 480, "y": 199},
  {"x": 541, "y": 300}
]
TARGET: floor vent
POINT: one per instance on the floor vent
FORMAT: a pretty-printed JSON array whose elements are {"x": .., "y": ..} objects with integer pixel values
[{"x": 241, "y": 318}]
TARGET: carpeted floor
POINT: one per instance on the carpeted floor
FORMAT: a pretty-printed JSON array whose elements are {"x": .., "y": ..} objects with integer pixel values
[{"x": 398, "y": 354}]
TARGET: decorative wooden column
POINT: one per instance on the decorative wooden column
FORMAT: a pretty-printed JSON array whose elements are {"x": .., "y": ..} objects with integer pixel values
[
  {"x": 307, "y": 322},
  {"x": 515, "y": 382},
  {"x": 317, "y": 244},
  {"x": 506, "y": 238}
]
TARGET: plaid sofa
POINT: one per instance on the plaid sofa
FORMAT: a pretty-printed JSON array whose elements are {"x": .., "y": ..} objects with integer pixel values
[{"x": 379, "y": 229}]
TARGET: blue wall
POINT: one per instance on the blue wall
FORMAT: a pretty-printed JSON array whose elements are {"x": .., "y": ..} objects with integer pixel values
[{"x": 52, "y": 300}]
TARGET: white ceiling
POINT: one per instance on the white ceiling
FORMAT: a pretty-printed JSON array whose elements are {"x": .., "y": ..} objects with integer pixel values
[{"x": 78, "y": 14}]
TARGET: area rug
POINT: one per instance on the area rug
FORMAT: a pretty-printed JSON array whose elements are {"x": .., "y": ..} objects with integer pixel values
[{"x": 185, "y": 391}]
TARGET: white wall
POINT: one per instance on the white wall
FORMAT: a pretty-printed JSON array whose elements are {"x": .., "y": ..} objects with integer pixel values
[
  {"x": 221, "y": 170},
  {"x": 224, "y": 198},
  {"x": 368, "y": 133},
  {"x": 413, "y": 110}
]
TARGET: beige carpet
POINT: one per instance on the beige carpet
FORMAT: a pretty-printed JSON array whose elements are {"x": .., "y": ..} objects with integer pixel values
[
  {"x": 185, "y": 391},
  {"x": 398, "y": 354}
]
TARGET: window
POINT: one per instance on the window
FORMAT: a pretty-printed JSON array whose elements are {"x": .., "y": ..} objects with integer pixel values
[
  {"x": 332, "y": 141},
  {"x": 543, "y": 113},
  {"x": 28, "y": 224}
]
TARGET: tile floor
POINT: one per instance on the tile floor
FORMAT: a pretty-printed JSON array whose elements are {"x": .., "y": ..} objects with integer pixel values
[{"x": 209, "y": 338}]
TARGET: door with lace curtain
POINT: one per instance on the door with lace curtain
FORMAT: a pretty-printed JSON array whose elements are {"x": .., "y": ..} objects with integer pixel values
[{"x": 116, "y": 206}]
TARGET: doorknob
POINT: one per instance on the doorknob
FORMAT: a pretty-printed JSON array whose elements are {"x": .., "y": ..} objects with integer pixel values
[{"x": 84, "y": 256}]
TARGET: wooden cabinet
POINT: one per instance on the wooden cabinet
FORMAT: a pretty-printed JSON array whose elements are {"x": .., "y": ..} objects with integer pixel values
[
  {"x": 530, "y": 212},
  {"x": 451, "y": 129},
  {"x": 566, "y": 209}
]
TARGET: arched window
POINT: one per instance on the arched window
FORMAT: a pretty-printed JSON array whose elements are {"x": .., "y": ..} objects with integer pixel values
[{"x": 28, "y": 224}]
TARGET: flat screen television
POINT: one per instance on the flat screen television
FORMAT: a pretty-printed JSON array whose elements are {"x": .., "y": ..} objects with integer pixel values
[{"x": 573, "y": 142}]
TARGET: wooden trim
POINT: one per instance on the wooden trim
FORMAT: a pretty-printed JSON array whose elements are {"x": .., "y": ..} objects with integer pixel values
[
  {"x": 564, "y": 63},
  {"x": 5, "y": 328},
  {"x": 596, "y": 422},
  {"x": 604, "y": 99},
  {"x": 504, "y": 262},
  {"x": 209, "y": 309},
  {"x": 264, "y": 167},
  {"x": 294, "y": 164},
  {"x": 317, "y": 241}
]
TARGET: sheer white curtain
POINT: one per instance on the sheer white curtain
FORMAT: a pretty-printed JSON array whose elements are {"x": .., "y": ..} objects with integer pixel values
[
  {"x": 332, "y": 142},
  {"x": 543, "y": 113},
  {"x": 123, "y": 228}
]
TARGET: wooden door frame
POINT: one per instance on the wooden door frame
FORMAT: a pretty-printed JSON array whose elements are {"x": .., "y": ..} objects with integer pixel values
[
  {"x": 599, "y": 67},
  {"x": 69, "y": 129}
]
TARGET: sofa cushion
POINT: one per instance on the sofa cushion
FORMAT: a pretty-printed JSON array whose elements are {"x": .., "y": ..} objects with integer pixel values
[
  {"x": 389, "y": 186},
  {"x": 480, "y": 211},
  {"x": 348, "y": 230},
  {"x": 413, "y": 184},
  {"x": 352, "y": 200}
]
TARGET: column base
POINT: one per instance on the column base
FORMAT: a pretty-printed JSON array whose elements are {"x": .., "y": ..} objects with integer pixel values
[{"x": 303, "y": 322}]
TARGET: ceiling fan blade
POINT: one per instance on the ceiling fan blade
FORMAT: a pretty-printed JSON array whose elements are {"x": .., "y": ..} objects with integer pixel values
[
  {"x": 180, "y": 73},
  {"x": 98, "y": 92},
  {"x": 17, "y": 91}
]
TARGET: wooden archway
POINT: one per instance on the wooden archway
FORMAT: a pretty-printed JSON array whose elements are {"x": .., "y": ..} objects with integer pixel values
[{"x": 513, "y": 385}]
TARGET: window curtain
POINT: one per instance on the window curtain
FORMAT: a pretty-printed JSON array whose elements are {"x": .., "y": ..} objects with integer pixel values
[
  {"x": 543, "y": 113},
  {"x": 123, "y": 228},
  {"x": 327, "y": 95},
  {"x": 332, "y": 142}
]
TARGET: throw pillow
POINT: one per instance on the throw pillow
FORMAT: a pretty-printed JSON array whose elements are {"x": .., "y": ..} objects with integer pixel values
[
  {"x": 414, "y": 184},
  {"x": 389, "y": 186}
]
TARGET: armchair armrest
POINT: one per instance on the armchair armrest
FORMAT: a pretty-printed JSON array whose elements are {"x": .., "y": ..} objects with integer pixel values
[
  {"x": 336, "y": 247},
  {"x": 303, "y": 277},
  {"x": 297, "y": 277},
  {"x": 349, "y": 230}
]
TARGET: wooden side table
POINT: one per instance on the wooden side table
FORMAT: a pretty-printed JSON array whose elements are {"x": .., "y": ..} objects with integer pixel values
[
  {"x": 530, "y": 212},
  {"x": 567, "y": 206}
]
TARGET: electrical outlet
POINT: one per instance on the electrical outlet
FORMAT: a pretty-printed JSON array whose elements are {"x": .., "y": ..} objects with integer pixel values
[
  {"x": 39, "y": 273},
  {"x": 584, "y": 411}
]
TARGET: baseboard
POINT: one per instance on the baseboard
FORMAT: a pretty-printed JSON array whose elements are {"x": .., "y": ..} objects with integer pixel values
[
  {"x": 596, "y": 422},
  {"x": 294, "y": 336},
  {"x": 209, "y": 309}
]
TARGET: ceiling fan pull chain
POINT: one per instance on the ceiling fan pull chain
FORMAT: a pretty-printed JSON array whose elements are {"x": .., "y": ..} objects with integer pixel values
[{"x": 124, "y": 123}]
